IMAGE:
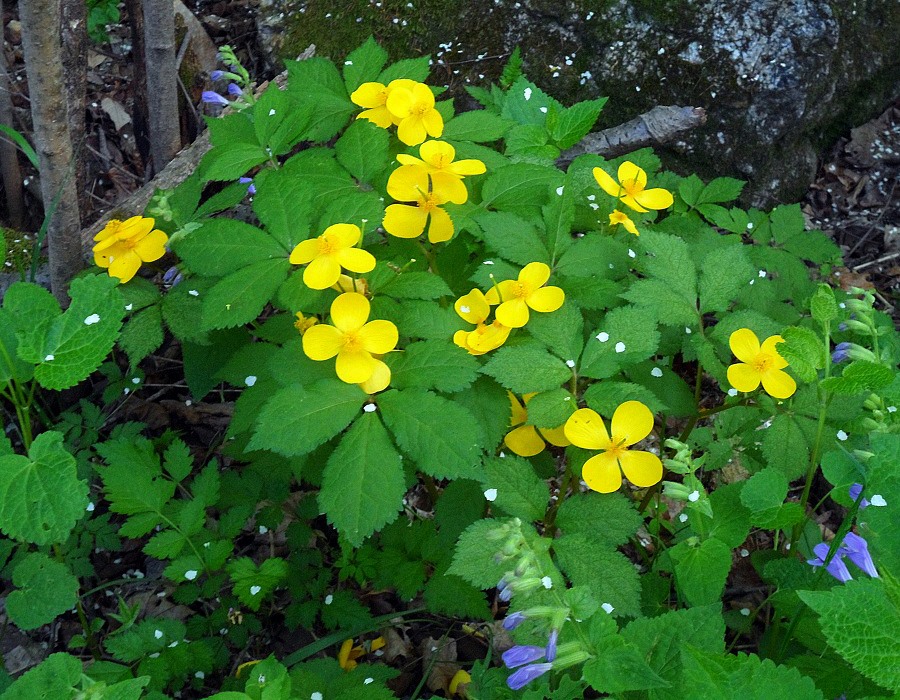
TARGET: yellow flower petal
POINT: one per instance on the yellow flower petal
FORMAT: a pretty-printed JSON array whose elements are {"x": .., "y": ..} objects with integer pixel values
[
  {"x": 534, "y": 275},
  {"x": 322, "y": 272},
  {"x": 441, "y": 226},
  {"x": 379, "y": 116},
  {"x": 513, "y": 313},
  {"x": 404, "y": 221},
  {"x": 629, "y": 171},
  {"x": 486, "y": 338},
  {"x": 585, "y": 429},
  {"x": 641, "y": 468},
  {"x": 356, "y": 260},
  {"x": 342, "y": 235},
  {"x": 472, "y": 307},
  {"x": 632, "y": 202},
  {"x": 524, "y": 441},
  {"x": 408, "y": 183},
  {"x": 379, "y": 381},
  {"x": 304, "y": 251},
  {"x": 769, "y": 346},
  {"x": 631, "y": 423},
  {"x": 507, "y": 290},
  {"x": 459, "y": 678},
  {"x": 406, "y": 159},
  {"x": 422, "y": 95},
  {"x": 344, "y": 653},
  {"x": 349, "y": 312},
  {"x": 369, "y": 95},
  {"x": 518, "y": 414},
  {"x": 433, "y": 122},
  {"x": 555, "y": 436},
  {"x": 322, "y": 342},
  {"x": 124, "y": 266},
  {"x": 743, "y": 377},
  {"x": 411, "y": 130},
  {"x": 152, "y": 246},
  {"x": 745, "y": 345},
  {"x": 469, "y": 166},
  {"x": 610, "y": 186},
  {"x": 378, "y": 337},
  {"x": 449, "y": 187},
  {"x": 461, "y": 338},
  {"x": 437, "y": 154},
  {"x": 353, "y": 366},
  {"x": 657, "y": 198},
  {"x": 778, "y": 384},
  {"x": 601, "y": 473},
  {"x": 546, "y": 299}
]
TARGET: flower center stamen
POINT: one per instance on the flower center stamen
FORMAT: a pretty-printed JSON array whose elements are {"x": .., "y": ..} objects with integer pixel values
[
  {"x": 352, "y": 342},
  {"x": 762, "y": 363}
]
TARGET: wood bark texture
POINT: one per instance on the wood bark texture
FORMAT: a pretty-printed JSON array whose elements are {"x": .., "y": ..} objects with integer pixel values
[
  {"x": 9, "y": 159},
  {"x": 73, "y": 32},
  {"x": 162, "y": 81},
  {"x": 46, "y": 87}
]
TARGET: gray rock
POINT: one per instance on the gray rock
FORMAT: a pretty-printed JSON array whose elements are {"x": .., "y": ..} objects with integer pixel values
[{"x": 779, "y": 79}]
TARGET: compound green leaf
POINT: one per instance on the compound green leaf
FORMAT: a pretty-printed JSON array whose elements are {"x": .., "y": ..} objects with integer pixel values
[
  {"x": 725, "y": 271},
  {"x": 526, "y": 368},
  {"x": 230, "y": 161},
  {"x": 432, "y": 364},
  {"x": 41, "y": 496},
  {"x": 512, "y": 237},
  {"x": 363, "y": 482},
  {"x": 608, "y": 520},
  {"x": 364, "y": 64},
  {"x": 478, "y": 126},
  {"x": 363, "y": 150},
  {"x": 626, "y": 336},
  {"x": 609, "y": 574},
  {"x": 56, "y": 677},
  {"x": 223, "y": 246},
  {"x": 474, "y": 560},
  {"x": 252, "y": 583},
  {"x": 240, "y": 297},
  {"x": 701, "y": 570},
  {"x": 519, "y": 491}
]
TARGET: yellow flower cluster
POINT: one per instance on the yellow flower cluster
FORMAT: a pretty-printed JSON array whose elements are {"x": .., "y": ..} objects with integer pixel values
[
  {"x": 405, "y": 103},
  {"x": 759, "y": 364},
  {"x": 631, "y": 190},
  {"x": 526, "y": 440},
  {"x": 122, "y": 246},
  {"x": 513, "y": 299},
  {"x": 425, "y": 184}
]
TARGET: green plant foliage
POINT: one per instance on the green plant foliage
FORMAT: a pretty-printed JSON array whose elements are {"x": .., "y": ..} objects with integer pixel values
[{"x": 45, "y": 589}]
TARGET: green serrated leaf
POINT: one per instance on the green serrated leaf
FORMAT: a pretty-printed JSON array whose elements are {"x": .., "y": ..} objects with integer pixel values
[
  {"x": 363, "y": 482},
  {"x": 474, "y": 560},
  {"x": 785, "y": 445},
  {"x": 478, "y": 126},
  {"x": 520, "y": 492},
  {"x": 411, "y": 68},
  {"x": 56, "y": 677},
  {"x": 561, "y": 331},
  {"x": 619, "y": 668},
  {"x": 141, "y": 334},
  {"x": 512, "y": 237},
  {"x": 725, "y": 271},
  {"x": 414, "y": 285},
  {"x": 44, "y": 589},
  {"x": 573, "y": 123},
  {"x": 231, "y": 161},
  {"x": 252, "y": 583},
  {"x": 240, "y": 297},
  {"x": 223, "y": 246},
  {"x": 804, "y": 352},
  {"x": 317, "y": 82},
  {"x": 550, "y": 409},
  {"x": 823, "y": 305},
  {"x": 363, "y": 150},
  {"x": 610, "y": 575},
  {"x": 297, "y": 419},
  {"x": 447, "y": 594},
  {"x": 607, "y": 520},
  {"x": 519, "y": 188},
  {"x": 441, "y": 436},
  {"x": 526, "y": 368},
  {"x": 858, "y": 376},
  {"x": 701, "y": 570},
  {"x": 626, "y": 336},
  {"x": 74, "y": 344},
  {"x": 432, "y": 364},
  {"x": 364, "y": 64},
  {"x": 283, "y": 204},
  {"x": 722, "y": 189},
  {"x": 41, "y": 496}
]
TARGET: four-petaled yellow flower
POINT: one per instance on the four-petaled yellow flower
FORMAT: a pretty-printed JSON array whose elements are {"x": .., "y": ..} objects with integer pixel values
[
  {"x": 446, "y": 174},
  {"x": 352, "y": 339},
  {"x": 620, "y": 217},
  {"x": 328, "y": 253},
  {"x": 348, "y": 653},
  {"x": 631, "y": 423},
  {"x": 526, "y": 440},
  {"x": 759, "y": 364},
  {"x": 631, "y": 188},
  {"x": 373, "y": 96},
  {"x": 473, "y": 308},
  {"x": 123, "y": 245},
  {"x": 414, "y": 107},
  {"x": 409, "y": 183},
  {"x": 526, "y": 292}
]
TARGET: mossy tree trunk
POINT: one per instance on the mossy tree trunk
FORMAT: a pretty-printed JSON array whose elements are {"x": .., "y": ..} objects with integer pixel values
[
  {"x": 9, "y": 159},
  {"x": 162, "y": 85},
  {"x": 47, "y": 90}
]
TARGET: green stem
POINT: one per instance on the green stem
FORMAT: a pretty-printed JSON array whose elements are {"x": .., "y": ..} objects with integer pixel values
[
  {"x": 429, "y": 256},
  {"x": 550, "y": 516},
  {"x": 88, "y": 632}
]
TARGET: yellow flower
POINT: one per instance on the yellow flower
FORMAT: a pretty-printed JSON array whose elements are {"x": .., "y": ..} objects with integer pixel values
[
  {"x": 348, "y": 653},
  {"x": 631, "y": 423},
  {"x": 759, "y": 364},
  {"x": 123, "y": 245},
  {"x": 352, "y": 339},
  {"x": 373, "y": 96},
  {"x": 380, "y": 379},
  {"x": 304, "y": 323},
  {"x": 414, "y": 107},
  {"x": 409, "y": 183},
  {"x": 445, "y": 173},
  {"x": 473, "y": 308},
  {"x": 526, "y": 292},
  {"x": 630, "y": 188},
  {"x": 346, "y": 283},
  {"x": 620, "y": 217},
  {"x": 328, "y": 253},
  {"x": 526, "y": 440},
  {"x": 460, "y": 678}
]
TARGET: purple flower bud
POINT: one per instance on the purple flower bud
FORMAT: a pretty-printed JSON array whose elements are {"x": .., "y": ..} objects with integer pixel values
[
  {"x": 514, "y": 620},
  {"x": 524, "y": 676},
  {"x": 216, "y": 75},
  {"x": 841, "y": 352},
  {"x": 551, "y": 645},
  {"x": 855, "y": 492},
  {"x": 171, "y": 275},
  {"x": 214, "y": 98},
  {"x": 251, "y": 190},
  {"x": 842, "y": 326},
  {"x": 836, "y": 567},
  {"x": 521, "y": 655},
  {"x": 234, "y": 90},
  {"x": 857, "y": 551}
]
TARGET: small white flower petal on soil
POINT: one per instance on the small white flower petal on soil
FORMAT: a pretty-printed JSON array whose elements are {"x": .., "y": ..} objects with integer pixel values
[
  {"x": 607, "y": 608},
  {"x": 620, "y": 346},
  {"x": 490, "y": 495},
  {"x": 190, "y": 575},
  {"x": 92, "y": 319},
  {"x": 251, "y": 380},
  {"x": 878, "y": 500},
  {"x": 656, "y": 372},
  {"x": 254, "y": 590},
  {"x": 603, "y": 336}
]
